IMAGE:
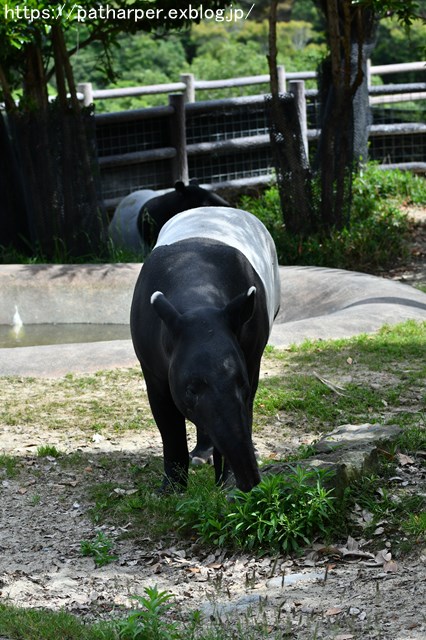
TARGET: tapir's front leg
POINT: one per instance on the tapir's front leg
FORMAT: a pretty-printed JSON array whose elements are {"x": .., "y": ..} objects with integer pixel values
[
  {"x": 171, "y": 424},
  {"x": 203, "y": 450}
]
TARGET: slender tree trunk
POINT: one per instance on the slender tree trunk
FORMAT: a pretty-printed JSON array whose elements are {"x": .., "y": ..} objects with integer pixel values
[
  {"x": 85, "y": 221},
  {"x": 344, "y": 116},
  {"x": 291, "y": 163}
]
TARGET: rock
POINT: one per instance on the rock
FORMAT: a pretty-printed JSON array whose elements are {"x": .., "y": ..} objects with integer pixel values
[
  {"x": 349, "y": 452},
  {"x": 356, "y": 435}
]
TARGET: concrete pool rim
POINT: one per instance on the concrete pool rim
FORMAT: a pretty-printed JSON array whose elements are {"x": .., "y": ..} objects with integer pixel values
[{"x": 316, "y": 303}]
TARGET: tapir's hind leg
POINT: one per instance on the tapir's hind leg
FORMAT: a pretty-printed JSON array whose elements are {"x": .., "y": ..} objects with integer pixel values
[{"x": 171, "y": 424}]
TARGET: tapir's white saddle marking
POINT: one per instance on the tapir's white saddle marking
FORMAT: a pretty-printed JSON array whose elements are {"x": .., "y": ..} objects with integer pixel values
[{"x": 238, "y": 229}]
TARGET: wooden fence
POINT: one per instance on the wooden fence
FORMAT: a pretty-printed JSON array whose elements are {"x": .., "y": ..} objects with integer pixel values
[
  {"x": 189, "y": 86},
  {"x": 225, "y": 143}
]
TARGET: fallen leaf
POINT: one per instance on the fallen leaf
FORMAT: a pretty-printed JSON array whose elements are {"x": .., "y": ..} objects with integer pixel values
[
  {"x": 349, "y": 361},
  {"x": 390, "y": 567},
  {"x": 379, "y": 531},
  {"x": 333, "y": 611},
  {"x": 403, "y": 459},
  {"x": 351, "y": 544},
  {"x": 384, "y": 555},
  {"x": 367, "y": 516},
  {"x": 356, "y": 554}
]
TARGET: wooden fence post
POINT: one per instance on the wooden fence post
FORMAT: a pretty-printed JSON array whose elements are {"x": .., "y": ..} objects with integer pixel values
[
  {"x": 297, "y": 88},
  {"x": 369, "y": 72},
  {"x": 281, "y": 78},
  {"x": 188, "y": 79},
  {"x": 86, "y": 89},
  {"x": 178, "y": 137}
]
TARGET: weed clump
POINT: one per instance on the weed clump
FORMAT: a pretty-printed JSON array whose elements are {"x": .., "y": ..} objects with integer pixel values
[{"x": 281, "y": 513}]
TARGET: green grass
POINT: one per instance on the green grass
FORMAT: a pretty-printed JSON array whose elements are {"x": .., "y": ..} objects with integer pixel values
[
  {"x": 150, "y": 619},
  {"x": 93, "y": 402},
  {"x": 99, "y": 549},
  {"x": 9, "y": 464},
  {"x": 33, "y": 624},
  {"x": 48, "y": 450}
]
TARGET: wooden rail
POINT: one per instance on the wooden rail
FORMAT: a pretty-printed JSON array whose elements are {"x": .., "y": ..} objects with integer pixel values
[{"x": 189, "y": 85}]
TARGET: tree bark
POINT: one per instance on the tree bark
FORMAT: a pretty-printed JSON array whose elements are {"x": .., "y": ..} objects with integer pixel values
[
  {"x": 291, "y": 162},
  {"x": 345, "y": 115}
]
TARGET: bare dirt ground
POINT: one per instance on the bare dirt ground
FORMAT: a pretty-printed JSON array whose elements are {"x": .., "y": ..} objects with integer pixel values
[{"x": 343, "y": 593}]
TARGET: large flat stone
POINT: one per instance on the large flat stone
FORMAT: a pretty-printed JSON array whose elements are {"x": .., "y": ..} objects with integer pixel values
[{"x": 349, "y": 452}]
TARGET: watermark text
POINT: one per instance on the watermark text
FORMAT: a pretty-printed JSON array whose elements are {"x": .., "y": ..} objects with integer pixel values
[{"x": 78, "y": 13}]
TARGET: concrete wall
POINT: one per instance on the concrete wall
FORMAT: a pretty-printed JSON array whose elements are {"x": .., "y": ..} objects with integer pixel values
[{"x": 99, "y": 294}]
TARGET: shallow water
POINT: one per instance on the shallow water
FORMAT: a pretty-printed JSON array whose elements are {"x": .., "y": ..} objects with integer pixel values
[{"x": 43, "y": 334}]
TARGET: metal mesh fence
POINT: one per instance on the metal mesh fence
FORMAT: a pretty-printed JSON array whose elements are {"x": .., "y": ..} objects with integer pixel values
[
  {"x": 120, "y": 181},
  {"x": 233, "y": 166},
  {"x": 396, "y": 149},
  {"x": 227, "y": 123},
  {"x": 115, "y": 138},
  {"x": 231, "y": 121}
]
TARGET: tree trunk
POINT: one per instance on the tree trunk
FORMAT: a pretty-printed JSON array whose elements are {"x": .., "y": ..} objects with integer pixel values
[
  {"x": 56, "y": 154},
  {"x": 345, "y": 113},
  {"x": 291, "y": 164},
  {"x": 14, "y": 232}
]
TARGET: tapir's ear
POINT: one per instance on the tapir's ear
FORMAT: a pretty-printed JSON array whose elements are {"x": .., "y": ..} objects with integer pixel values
[
  {"x": 240, "y": 309},
  {"x": 167, "y": 312},
  {"x": 180, "y": 186}
]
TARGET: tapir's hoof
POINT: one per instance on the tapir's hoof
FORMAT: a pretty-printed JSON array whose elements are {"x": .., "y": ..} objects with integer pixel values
[
  {"x": 201, "y": 456},
  {"x": 197, "y": 461}
]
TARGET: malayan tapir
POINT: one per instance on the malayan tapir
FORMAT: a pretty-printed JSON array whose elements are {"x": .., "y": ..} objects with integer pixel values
[
  {"x": 139, "y": 217},
  {"x": 201, "y": 314}
]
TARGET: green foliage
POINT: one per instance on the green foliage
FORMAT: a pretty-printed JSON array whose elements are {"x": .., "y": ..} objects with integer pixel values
[
  {"x": 413, "y": 439},
  {"x": 210, "y": 50},
  {"x": 148, "y": 622},
  {"x": 415, "y": 525},
  {"x": 373, "y": 184},
  {"x": 203, "y": 509},
  {"x": 140, "y": 59},
  {"x": 405, "y": 10},
  {"x": 99, "y": 549},
  {"x": 43, "y": 624},
  {"x": 377, "y": 234},
  {"x": 396, "y": 44},
  {"x": 9, "y": 464},
  {"x": 48, "y": 450},
  {"x": 281, "y": 513}
]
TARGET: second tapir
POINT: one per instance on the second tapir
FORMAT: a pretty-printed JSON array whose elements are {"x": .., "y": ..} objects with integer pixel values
[
  {"x": 201, "y": 315},
  {"x": 139, "y": 217}
]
